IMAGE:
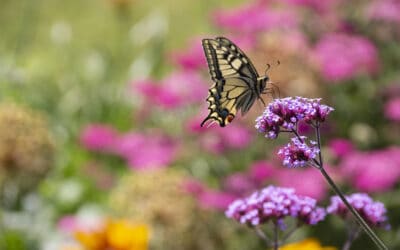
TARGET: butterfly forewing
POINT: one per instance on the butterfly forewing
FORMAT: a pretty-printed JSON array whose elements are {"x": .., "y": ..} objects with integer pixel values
[{"x": 234, "y": 77}]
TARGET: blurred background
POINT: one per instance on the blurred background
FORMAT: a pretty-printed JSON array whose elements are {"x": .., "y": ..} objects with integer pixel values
[{"x": 101, "y": 101}]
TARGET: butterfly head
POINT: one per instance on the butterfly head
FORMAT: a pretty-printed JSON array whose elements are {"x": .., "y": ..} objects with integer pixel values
[{"x": 262, "y": 83}]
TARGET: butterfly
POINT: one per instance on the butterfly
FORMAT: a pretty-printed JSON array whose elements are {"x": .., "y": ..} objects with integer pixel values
[{"x": 237, "y": 84}]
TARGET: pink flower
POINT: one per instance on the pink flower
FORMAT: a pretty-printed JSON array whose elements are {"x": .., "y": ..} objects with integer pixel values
[
  {"x": 238, "y": 183},
  {"x": 260, "y": 171},
  {"x": 373, "y": 171},
  {"x": 193, "y": 186},
  {"x": 84, "y": 220},
  {"x": 144, "y": 151},
  {"x": 255, "y": 17},
  {"x": 342, "y": 56},
  {"x": 392, "y": 109},
  {"x": 384, "y": 10},
  {"x": 212, "y": 199},
  {"x": 67, "y": 224},
  {"x": 98, "y": 137},
  {"x": 215, "y": 139},
  {"x": 318, "y": 5},
  {"x": 341, "y": 147},
  {"x": 307, "y": 181},
  {"x": 192, "y": 58},
  {"x": 206, "y": 197},
  {"x": 177, "y": 90}
]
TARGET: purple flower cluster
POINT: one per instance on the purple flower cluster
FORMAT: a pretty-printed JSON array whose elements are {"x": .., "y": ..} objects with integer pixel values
[
  {"x": 373, "y": 212},
  {"x": 275, "y": 203},
  {"x": 297, "y": 153},
  {"x": 285, "y": 114}
]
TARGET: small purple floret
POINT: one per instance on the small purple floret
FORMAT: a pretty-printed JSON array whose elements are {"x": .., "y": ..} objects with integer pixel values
[
  {"x": 275, "y": 203},
  {"x": 297, "y": 153},
  {"x": 285, "y": 113},
  {"x": 373, "y": 212}
]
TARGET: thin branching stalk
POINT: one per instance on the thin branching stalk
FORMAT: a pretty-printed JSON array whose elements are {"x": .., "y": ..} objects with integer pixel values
[
  {"x": 290, "y": 232},
  {"x": 353, "y": 234},
  {"x": 262, "y": 235},
  {"x": 357, "y": 216},
  {"x": 276, "y": 240}
]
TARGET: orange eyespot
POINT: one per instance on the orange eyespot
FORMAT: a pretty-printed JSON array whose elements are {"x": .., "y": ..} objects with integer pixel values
[{"x": 230, "y": 117}]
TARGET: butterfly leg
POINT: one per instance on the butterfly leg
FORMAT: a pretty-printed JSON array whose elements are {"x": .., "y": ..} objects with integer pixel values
[{"x": 272, "y": 91}]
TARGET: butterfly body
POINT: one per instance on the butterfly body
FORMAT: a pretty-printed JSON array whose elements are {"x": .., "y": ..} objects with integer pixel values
[{"x": 237, "y": 85}]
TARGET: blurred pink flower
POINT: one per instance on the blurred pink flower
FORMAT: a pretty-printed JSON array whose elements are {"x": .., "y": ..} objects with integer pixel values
[
  {"x": 306, "y": 181},
  {"x": 392, "y": 109},
  {"x": 192, "y": 58},
  {"x": 255, "y": 17},
  {"x": 98, "y": 137},
  {"x": 239, "y": 184},
  {"x": 260, "y": 171},
  {"x": 67, "y": 224},
  {"x": 84, "y": 220},
  {"x": 317, "y": 5},
  {"x": 373, "y": 171},
  {"x": 212, "y": 199},
  {"x": 143, "y": 151},
  {"x": 341, "y": 147},
  {"x": 215, "y": 139},
  {"x": 343, "y": 56},
  {"x": 384, "y": 10},
  {"x": 193, "y": 186},
  {"x": 175, "y": 91},
  {"x": 206, "y": 197}
]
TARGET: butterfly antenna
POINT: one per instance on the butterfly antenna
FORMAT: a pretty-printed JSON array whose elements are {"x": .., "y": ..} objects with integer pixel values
[
  {"x": 268, "y": 67},
  {"x": 275, "y": 87}
]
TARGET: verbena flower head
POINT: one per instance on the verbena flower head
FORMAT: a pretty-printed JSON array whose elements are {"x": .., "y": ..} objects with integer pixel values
[
  {"x": 275, "y": 203},
  {"x": 373, "y": 212},
  {"x": 297, "y": 153},
  {"x": 285, "y": 114}
]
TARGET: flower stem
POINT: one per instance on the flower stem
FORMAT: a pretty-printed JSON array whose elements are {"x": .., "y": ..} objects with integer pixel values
[
  {"x": 289, "y": 233},
  {"x": 262, "y": 235},
  {"x": 358, "y": 217},
  {"x": 353, "y": 234},
  {"x": 276, "y": 243}
]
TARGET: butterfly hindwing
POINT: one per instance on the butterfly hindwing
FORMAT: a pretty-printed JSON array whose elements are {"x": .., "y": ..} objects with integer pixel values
[{"x": 234, "y": 77}]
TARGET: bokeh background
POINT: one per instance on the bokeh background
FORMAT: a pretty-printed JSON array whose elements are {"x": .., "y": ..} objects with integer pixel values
[{"x": 101, "y": 101}]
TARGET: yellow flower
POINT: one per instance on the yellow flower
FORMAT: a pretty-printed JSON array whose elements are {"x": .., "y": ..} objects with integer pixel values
[
  {"x": 92, "y": 240},
  {"x": 307, "y": 244},
  {"x": 122, "y": 234},
  {"x": 115, "y": 235}
]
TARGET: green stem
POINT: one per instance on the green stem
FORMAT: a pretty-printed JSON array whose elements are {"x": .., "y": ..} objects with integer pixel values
[
  {"x": 276, "y": 242},
  {"x": 353, "y": 234},
  {"x": 358, "y": 217},
  {"x": 262, "y": 235}
]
